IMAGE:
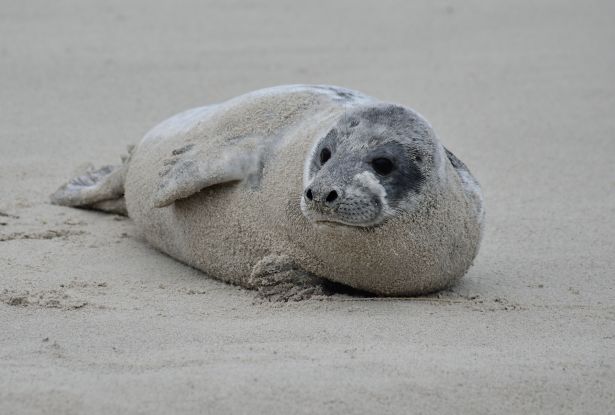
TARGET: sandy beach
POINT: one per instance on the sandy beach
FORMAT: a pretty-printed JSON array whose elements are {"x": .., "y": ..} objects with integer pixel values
[{"x": 95, "y": 321}]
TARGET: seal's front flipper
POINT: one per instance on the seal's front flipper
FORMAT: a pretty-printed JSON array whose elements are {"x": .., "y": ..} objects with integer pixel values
[
  {"x": 189, "y": 170},
  {"x": 99, "y": 189},
  {"x": 277, "y": 279}
]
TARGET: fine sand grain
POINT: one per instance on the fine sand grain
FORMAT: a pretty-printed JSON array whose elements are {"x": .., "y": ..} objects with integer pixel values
[{"x": 93, "y": 320}]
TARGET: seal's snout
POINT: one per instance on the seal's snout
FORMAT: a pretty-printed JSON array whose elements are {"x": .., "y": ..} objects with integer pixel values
[
  {"x": 336, "y": 199},
  {"x": 322, "y": 197}
]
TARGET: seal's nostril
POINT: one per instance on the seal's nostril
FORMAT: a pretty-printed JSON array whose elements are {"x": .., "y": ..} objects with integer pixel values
[
  {"x": 308, "y": 194},
  {"x": 331, "y": 196}
]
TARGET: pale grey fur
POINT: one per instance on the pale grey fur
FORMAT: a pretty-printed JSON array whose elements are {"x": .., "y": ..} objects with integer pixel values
[{"x": 222, "y": 188}]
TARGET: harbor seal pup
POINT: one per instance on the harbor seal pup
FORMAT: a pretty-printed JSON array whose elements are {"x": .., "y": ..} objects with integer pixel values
[{"x": 283, "y": 187}]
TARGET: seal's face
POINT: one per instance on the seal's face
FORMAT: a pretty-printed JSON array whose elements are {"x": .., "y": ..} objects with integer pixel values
[{"x": 371, "y": 166}]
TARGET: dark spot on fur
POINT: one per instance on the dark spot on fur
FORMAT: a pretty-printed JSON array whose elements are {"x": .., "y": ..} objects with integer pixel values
[
  {"x": 405, "y": 177},
  {"x": 169, "y": 162},
  {"x": 391, "y": 115},
  {"x": 182, "y": 150},
  {"x": 235, "y": 140},
  {"x": 342, "y": 94}
]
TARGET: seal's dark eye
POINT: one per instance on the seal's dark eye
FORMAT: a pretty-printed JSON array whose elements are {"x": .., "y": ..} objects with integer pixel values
[
  {"x": 325, "y": 155},
  {"x": 382, "y": 166}
]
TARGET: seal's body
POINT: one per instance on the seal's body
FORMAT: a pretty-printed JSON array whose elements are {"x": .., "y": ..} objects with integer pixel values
[{"x": 299, "y": 181}]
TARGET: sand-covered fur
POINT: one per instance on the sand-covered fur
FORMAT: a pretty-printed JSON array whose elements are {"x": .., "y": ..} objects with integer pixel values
[{"x": 223, "y": 187}]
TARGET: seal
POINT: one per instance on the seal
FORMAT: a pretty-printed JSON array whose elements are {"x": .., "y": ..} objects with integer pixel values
[{"x": 286, "y": 188}]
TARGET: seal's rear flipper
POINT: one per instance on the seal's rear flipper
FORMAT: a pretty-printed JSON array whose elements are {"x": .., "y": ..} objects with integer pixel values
[{"x": 101, "y": 189}]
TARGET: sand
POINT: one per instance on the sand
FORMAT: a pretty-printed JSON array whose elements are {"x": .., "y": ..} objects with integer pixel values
[{"x": 93, "y": 320}]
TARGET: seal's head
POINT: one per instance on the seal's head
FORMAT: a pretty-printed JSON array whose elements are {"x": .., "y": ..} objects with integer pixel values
[{"x": 371, "y": 166}]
